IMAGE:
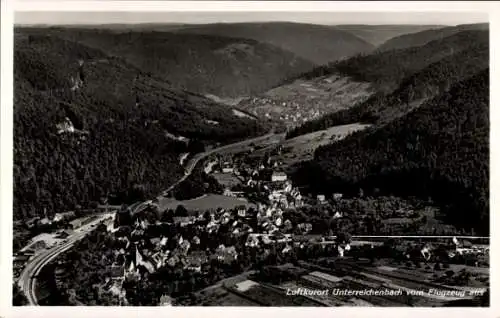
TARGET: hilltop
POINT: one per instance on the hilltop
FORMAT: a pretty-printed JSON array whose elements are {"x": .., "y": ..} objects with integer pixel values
[
  {"x": 205, "y": 64},
  {"x": 120, "y": 27},
  {"x": 319, "y": 44},
  {"x": 423, "y": 37},
  {"x": 442, "y": 147},
  {"x": 379, "y": 34},
  {"x": 82, "y": 116}
]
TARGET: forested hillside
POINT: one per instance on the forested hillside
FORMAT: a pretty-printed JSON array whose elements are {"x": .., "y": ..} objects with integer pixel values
[
  {"x": 88, "y": 125},
  {"x": 434, "y": 79},
  {"x": 387, "y": 69},
  {"x": 440, "y": 150},
  {"x": 316, "y": 43},
  {"x": 426, "y": 36},
  {"x": 205, "y": 64}
]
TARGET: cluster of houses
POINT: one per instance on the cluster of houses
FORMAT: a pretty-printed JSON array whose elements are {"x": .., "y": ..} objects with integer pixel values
[
  {"x": 290, "y": 111},
  {"x": 453, "y": 250},
  {"x": 465, "y": 247},
  {"x": 257, "y": 226},
  {"x": 265, "y": 178},
  {"x": 179, "y": 249},
  {"x": 142, "y": 254}
]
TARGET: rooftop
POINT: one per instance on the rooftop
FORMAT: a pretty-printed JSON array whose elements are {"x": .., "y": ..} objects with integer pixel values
[{"x": 279, "y": 173}]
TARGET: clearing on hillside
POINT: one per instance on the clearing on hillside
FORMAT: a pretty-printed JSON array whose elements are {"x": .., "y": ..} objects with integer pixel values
[{"x": 302, "y": 148}]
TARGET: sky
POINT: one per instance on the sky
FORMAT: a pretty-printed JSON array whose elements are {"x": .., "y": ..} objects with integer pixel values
[{"x": 332, "y": 18}]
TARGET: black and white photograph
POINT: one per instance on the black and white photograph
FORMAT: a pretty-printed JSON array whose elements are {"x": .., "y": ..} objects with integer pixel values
[{"x": 252, "y": 158}]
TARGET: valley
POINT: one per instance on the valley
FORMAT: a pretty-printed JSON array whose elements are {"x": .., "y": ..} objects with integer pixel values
[{"x": 246, "y": 164}]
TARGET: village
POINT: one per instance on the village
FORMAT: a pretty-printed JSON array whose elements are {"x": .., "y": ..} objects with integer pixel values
[
  {"x": 261, "y": 231},
  {"x": 266, "y": 233},
  {"x": 304, "y": 100},
  {"x": 265, "y": 224}
]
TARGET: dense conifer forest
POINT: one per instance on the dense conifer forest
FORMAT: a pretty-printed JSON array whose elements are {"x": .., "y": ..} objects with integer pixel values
[
  {"x": 440, "y": 150},
  {"x": 119, "y": 116}
]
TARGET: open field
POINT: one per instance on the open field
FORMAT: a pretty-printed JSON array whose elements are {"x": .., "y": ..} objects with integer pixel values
[
  {"x": 230, "y": 101},
  {"x": 211, "y": 201},
  {"x": 420, "y": 278},
  {"x": 393, "y": 277},
  {"x": 302, "y": 147},
  {"x": 266, "y": 143},
  {"x": 479, "y": 275},
  {"x": 327, "y": 300},
  {"x": 226, "y": 179},
  {"x": 316, "y": 282},
  {"x": 276, "y": 297},
  {"x": 347, "y": 275},
  {"x": 326, "y": 88},
  {"x": 221, "y": 297}
]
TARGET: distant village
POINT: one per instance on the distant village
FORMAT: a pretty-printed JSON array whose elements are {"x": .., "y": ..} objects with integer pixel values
[{"x": 290, "y": 111}]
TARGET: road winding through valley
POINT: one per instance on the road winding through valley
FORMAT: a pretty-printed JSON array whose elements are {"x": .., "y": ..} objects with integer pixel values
[
  {"x": 191, "y": 164},
  {"x": 28, "y": 278}
]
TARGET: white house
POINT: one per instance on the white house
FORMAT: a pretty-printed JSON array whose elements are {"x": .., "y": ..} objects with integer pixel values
[
  {"x": 278, "y": 176},
  {"x": 321, "y": 198},
  {"x": 227, "y": 169},
  {"x": 337, "y": 196},
  {"x": 242, "y": 212},
  {"x": 278, "y": 221}
]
